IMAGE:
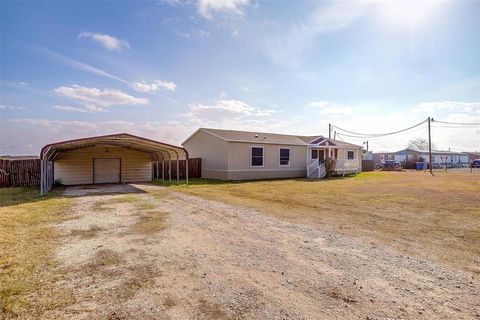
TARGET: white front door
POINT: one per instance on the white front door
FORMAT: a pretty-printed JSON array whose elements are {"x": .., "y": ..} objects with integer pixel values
[{"x": 106, "y": 170}]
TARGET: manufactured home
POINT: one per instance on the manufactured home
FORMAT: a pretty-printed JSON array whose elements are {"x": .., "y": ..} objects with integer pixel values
[{"x": 244, "y": 155}]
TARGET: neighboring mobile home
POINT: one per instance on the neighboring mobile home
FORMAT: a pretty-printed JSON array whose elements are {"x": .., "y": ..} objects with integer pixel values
[
  {"x": 439, "y": 157},
  {"x": 243, "y": 155}
]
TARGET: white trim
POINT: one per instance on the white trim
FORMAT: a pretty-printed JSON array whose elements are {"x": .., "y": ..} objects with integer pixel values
[
  {"x": 263, "y": 157},
  {"x": 206, "y": 131},
  {"x": 289, "y": 157}
]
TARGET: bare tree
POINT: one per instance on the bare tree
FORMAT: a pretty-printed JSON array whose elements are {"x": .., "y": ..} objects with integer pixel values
[{"x": 419, "y": 144}]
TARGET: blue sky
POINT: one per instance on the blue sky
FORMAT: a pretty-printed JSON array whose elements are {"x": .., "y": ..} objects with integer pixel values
[{"x": 161, "y": 69}]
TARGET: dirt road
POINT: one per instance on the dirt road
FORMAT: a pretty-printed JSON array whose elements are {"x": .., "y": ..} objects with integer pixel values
[{"x": 155, "y": 254}]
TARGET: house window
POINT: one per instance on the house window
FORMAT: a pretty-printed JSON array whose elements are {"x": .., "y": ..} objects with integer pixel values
[
  {"x": 284, "y": 157},
  {"x": 257, "y": 157},
  {"x": 314, "y": 154},
  {"x": 350, "y": 155}
]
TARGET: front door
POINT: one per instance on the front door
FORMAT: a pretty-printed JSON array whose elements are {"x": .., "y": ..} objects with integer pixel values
[{"x": 106, "y": 170}]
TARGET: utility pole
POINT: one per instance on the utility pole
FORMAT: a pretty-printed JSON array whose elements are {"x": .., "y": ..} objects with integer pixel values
[
  {"x": 430, "y": 146},
  {"x": 329, "y": 131},
  {"x": 366, "y": 142},
  {"x": 334, "y": 135}
]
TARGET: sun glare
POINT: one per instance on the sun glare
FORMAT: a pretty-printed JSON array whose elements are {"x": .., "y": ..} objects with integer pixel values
[{"x": 407, "y": 13}]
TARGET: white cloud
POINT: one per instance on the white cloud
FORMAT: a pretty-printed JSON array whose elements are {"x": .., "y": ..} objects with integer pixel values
[
  {"x": 193, "y": 33},
  {"x": 107, "y": 41},
  {"x": 10, "y": 107},
  {"x": 227, "y": 114},
  {"x": 330, "y": 108},
  {"x": 432, "y": 107},
  {"x": 288, "y": 48},
  {"x": 77, "y": 64},
  {"x": 156, "y": 85},
  {"x": 207, "y": 8},
  {"x": 94, "y": 99},
  {"x": 70, "y": 108}
]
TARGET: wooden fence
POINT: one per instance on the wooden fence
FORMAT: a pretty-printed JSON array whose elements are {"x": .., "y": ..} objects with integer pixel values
[
  {"x": 367, "y": 165},
  {"x": 26, "y": 173},
  {"x": 194, "y": 168},
  {"x": 19, "y": 173}
]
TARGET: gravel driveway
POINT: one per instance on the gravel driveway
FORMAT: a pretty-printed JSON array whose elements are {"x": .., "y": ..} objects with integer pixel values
[{"x": 146, "y": 252}]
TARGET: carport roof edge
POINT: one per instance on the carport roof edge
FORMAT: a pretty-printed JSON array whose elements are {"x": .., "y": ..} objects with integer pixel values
[{"x": 125, "y": 139}]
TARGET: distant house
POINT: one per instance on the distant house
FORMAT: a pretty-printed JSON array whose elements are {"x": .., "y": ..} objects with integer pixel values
[
  {"x": 242, "y": 155},
  {"x": 439, "y": 157}
]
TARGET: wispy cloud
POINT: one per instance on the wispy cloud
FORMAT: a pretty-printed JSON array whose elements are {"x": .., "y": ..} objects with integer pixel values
[
  {"x": 432, "y": 107},
  {"x": 227, "y": 113},
  {"x": 288, "y": 48},
  {"x": 94, "y": 99},
  {"x": 10, "y": 107},
  {"x": 208, "y": 8},
  {"x": 331, "y": 108},
  {"x": 57, "y": 57},
  {"x": 193, "y": 33},
  {"x": 107, "y": 41},
  {"x": 70, "y": 108},
  {"x": 156, "y": 85}
]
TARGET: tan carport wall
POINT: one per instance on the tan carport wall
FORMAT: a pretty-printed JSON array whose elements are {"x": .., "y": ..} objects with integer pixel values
[{"x": 159, "y": 151}]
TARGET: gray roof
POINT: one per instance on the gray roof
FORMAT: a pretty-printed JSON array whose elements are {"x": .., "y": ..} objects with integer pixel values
[
  {"x": 260, "y": 137},
  {"x": 264, "y": 137}
]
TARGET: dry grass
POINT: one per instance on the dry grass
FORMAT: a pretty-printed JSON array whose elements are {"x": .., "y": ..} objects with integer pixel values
[
  {"x": 26, "y": 242},
  {"x": 152, "y": 223},
  {"x": 103, "y": 258},
  {"x": 437, "y": 217},
  {"x": 89, "y": 233}
]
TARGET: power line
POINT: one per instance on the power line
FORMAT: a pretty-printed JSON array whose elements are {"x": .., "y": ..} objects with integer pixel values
[
  {"x": 383, "y": 136},
  {"x": 458, "y": 123},
  {"x": 456, "y": 126},
  {"x": 368, "y": 135}
]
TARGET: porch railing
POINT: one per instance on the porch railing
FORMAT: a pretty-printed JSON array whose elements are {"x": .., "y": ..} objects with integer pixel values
[{"x": 347, "y": 165}]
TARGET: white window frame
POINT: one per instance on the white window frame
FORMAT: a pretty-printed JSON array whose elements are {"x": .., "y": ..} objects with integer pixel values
[
  {"x": 289, "y": 156},
  {"x": 353, "y": 154},
  {"x": 251, "y": 154}
]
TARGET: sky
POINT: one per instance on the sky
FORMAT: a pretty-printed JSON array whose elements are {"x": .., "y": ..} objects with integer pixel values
[{"x": 162, "y": 69}]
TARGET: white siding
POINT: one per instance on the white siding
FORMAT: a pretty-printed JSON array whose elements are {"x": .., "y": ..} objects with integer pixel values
[{"x": 76, "y": 166}]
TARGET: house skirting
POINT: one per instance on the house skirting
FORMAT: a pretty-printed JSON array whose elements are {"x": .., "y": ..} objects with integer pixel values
[{"x": 253, "y": 174}]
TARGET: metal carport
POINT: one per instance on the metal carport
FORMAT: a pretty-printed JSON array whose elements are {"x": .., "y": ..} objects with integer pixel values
[{"x": 159, "y": 151}]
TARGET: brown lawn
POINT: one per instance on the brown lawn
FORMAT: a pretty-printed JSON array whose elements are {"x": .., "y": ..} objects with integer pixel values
[{"x": 437, "y": 217}]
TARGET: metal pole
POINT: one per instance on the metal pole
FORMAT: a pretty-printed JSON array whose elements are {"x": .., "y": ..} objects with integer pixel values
[
  {"x": 169, "y": 168},
  {"x": 429, "y": 145},
  {"x": 178, "y": 172},
  {"x": 186, "y": 169},
  {"x": 329, "y": 131}
]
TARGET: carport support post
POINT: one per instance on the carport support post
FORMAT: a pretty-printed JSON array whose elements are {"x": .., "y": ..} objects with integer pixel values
[
  {"x": 186, "y": 170},
  {"x": 169, "y": 169},
  {"x": 163, "y": 170},
  {"x": 178, "y": 172}
]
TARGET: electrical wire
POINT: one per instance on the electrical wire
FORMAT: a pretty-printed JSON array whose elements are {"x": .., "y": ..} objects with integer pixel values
[
  {"x": 381, "y": 137},
  {"x": 368, "y": 135},
  {"x": 457, "y": 123}
]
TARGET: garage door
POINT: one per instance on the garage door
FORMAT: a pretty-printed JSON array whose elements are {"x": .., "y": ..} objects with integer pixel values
[{"x": 106, "y": 170}]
